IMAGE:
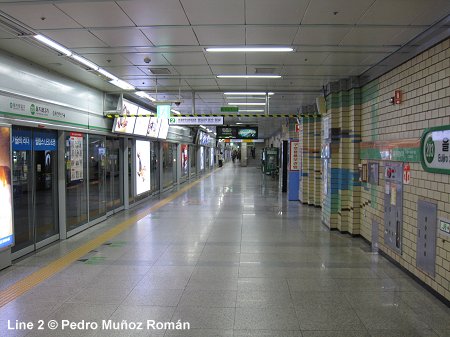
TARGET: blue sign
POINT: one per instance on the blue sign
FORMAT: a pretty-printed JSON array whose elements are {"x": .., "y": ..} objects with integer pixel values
[
  {"x": 44, "y": 141},
  {"x": 21, "y": 140},
  {"x": 6, "y": 241}
]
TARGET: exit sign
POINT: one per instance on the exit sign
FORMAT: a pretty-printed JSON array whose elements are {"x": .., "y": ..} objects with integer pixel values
[{"x": 229, "y": 109}]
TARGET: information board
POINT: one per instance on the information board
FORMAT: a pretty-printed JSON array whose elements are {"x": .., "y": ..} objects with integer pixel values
[{"x": 293, "y": 155}]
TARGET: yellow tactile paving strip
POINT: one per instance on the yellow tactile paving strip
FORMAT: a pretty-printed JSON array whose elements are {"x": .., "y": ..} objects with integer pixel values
[{"x": 27, "y": 283}]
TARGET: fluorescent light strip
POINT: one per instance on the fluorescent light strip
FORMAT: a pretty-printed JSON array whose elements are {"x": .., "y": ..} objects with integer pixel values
[
  {"x": 248, "y": 93},
  {"x": 84, "y": 61},
  {"x": 245, "y": 103},
  {"x": 145, "y": 95},
  {"x": 122, "y": 84},
  {"x": 250, "y": 110},
  {"x": 176, "y": 112},
  {"x": 107, "y": 74},
  {"x": 248, "y": 49},
  {"x": 248, "y": 76},
  {"x": 53, "y": 44}
]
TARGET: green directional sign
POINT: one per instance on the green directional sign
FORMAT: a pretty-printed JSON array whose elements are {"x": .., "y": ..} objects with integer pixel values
[
  {"x": 229, "y": 109},
  {"x": 435, "y": 149}
]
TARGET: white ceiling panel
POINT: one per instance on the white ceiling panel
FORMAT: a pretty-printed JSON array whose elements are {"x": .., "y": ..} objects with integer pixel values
[
  {"x": 171, "y": 36},
  {"x": 398, "y": 12},
  {"x": 205, "y": 87},
  {"x": 238, "y": 69},
  {"x": 374, "y": 58},
  {"x": 125, "y": 71},
  {"x": 220, "y": 35},
  {"x": 275, "y": 12},
  {"x": 142, "y": 83},
  {"x": 299, "y": 70},
  {"x": 32, "y": 14},
  {"x": 371, "y": 35},
  {"x": 185, "y": 58},
  {"x": 6, "y": 35},
  {"x": 237, "y": 83},
  {"x": 346, "y": 58},
  {"x": 406, "y": 35},
  {"x": 264, "y": 69},
  {"x": 225, "y": 58},
  {"x": 215, "y": 12},
  {"x": 138, "y": 59},
  {"x": 331, "y": 35},
  {"x": 270, "y": 35},
  {"x": 201, "y": 81},
  {"x": 439, "y": 9},
  {"x": 154, "y": 13},
  {"x": 75, "y": 38},
  {"x": 305, "y": 58},
  {"x": 335, "y": 11},
  {"x": 170, "y": 82},
  {"x": 122, "y": 37},
  {"x": 338, "y": 70},
  {"x": 108, "y": 59},
  {"x": 193, "y": 70},
  {"x": 96, "y": 14},
  {"x": 265, "y": 58}
]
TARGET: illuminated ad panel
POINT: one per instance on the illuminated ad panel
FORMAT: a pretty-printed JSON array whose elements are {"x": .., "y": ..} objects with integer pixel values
[
  {"x": 142, "y": 166},
  {"x": 6, "y": 215}
]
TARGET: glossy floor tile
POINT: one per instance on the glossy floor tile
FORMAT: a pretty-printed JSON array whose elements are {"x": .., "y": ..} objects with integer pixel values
[{"x": 232, "y": 257}]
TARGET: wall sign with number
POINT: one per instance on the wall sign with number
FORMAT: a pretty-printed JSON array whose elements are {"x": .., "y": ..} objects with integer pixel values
[{"x": 435, "y": 150}]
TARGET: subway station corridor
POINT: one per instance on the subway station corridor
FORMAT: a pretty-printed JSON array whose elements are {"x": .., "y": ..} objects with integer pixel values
[{"x": 232, "y": 257}]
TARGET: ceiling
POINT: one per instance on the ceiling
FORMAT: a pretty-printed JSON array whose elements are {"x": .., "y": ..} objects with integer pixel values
[{"x": 333, "y": 39}]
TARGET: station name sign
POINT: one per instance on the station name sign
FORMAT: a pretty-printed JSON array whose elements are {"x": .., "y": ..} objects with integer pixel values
[
  {"x": 435, "y": 150},
  {"x": 196, "y": 120}
]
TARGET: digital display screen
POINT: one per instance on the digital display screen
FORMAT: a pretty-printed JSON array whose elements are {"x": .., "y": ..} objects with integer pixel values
[
  {"x": 6, "y": 215},
  {"x": 248, "y": 133},
  {"x": 141, "y": 126},
  {"x": 124, "y": 124},
  {"x": 142, "y": 166},
  {"x": 164, "y": 129},
  {"x": 226, "y": 132},
  {"x": 153, "y": 127}
]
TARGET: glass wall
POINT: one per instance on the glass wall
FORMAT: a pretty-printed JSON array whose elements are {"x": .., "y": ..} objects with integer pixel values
[
  {"x": 97, "y": 176},
  {"x": 169, "y": 164},
  {"x": 131, "y": 188},
  {"x": 76, "y": 180},
  {"x": 184, "y": 154}
]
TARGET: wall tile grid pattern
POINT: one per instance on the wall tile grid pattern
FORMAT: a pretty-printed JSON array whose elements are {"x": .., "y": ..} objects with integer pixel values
[{"x": 424, "y": 82}]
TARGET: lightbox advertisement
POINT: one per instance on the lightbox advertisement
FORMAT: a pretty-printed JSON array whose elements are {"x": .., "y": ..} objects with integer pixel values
[
  {"x": 153, "y": 127},
  {"x": 141, "y": 126},
  {"x": 124, "y": 124},
  {"x": 202, "y": 158},
  {"x": 6, "y": 215},
  {"x": 184, "y": 159},
  {"x": 142, "y": 166}
]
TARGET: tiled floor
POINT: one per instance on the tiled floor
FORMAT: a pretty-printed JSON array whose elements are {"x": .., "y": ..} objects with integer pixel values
[{"x": 233, "y": 258}]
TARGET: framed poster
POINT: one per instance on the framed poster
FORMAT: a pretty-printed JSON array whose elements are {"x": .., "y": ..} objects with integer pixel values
[
  {"x": 142, "y": 166},
  {"x": 76, "y": 156},
  {"x": 294, "y": 160}
]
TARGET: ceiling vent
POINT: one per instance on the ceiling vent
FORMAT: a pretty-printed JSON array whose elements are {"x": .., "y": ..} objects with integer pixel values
[
  {"x": 160, "y": 71},
  {"x": 264, "y": 70}
]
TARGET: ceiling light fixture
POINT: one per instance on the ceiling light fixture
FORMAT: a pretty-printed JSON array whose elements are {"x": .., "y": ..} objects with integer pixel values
[
  {"x": 122, "y": 84},
  {"x": 176, "y": 112},
  {"x": 248, "y": 93},
  {"x": 245, "y": 103},
  {"x": 248, "y": 49},
  {"x": 53, "y": 44},
  {"x": 85, "y": 62},
  {"x": 145, "y": 95},
  {"x": 251, "y": 110},
  {"x": 248, "y": 76},
  {"x": 107, "y": 74}
]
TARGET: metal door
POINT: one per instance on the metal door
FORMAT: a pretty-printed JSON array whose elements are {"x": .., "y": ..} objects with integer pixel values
[{"x": 426, "y": 236}]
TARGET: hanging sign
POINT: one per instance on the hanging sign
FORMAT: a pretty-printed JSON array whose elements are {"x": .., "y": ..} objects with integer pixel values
[
  {"x": 196, "y": 120},
  {"x": 435, "y": 150},
  {"x": 76, "y": 156},
  {"x": 163, "y": 111}
]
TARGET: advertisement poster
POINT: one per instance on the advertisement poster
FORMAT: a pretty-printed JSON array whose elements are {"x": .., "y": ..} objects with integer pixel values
[
  {"x": 76, "y": 156},
  {"x": 142, "y": 166},
  {"x": 184, "y": 159},
  {"x": 6, "y": 216},
  {"x": 164, "y": 129},
  {"x": 153, "y": 127},
  {"x": 124, "y": 124},
  {"x": 211, "y": 154},
  {"x": 202, "y": 158},
  {"x": 141, "y": 126}
]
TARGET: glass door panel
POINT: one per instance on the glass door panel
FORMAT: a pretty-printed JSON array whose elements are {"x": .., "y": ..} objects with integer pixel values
[
  {"x": 45, "y": 194},
  {"x": 112, "y": 184},
  {"x": 97, "y": 166},
  {"x": 23, "y": 199}
]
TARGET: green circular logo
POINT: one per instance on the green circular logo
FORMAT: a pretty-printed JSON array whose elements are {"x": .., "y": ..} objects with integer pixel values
[
  {"x": 429, "y": 150},
  {"x": 32, "y": 109}
]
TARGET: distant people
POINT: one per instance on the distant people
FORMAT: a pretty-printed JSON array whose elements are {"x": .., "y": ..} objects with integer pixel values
[
  {"x": 253, "y": 151},
  {"x": 233, "y": 156},
  {"x": 220, "y": 159}
]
